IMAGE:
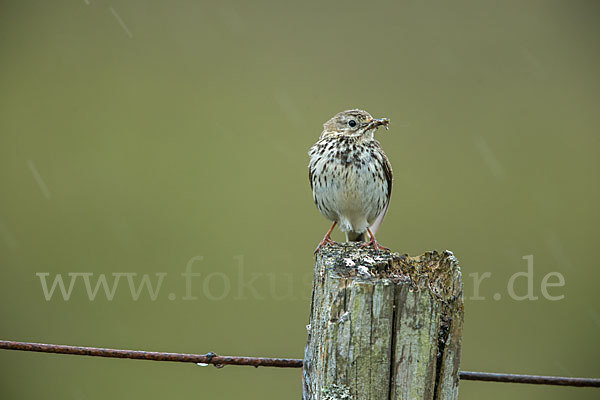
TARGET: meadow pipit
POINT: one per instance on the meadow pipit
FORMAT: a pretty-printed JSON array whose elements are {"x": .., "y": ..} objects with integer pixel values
[{"x": 351, "y": 177}]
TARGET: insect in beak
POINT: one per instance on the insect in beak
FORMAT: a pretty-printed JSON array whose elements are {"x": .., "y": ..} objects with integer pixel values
[{"x": 375, "y": 122}]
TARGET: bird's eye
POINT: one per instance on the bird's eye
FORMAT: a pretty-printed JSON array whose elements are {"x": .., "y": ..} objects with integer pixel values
[{"x": 352, "y": 123}]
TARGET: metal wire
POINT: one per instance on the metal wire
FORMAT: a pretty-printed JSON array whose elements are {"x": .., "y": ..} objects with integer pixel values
[
  {"x": 220, "y": 361},
  {"x": 534, "y": 379},
  {"x": 209, "y": 358}
]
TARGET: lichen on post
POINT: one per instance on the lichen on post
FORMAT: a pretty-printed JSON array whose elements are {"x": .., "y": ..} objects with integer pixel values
[{"x": 383, "y": 326}]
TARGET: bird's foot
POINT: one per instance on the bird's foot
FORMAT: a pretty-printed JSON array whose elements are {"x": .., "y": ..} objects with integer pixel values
[
  {"x": 375, "y": 245},
  {"x": 326, "y": 240}
]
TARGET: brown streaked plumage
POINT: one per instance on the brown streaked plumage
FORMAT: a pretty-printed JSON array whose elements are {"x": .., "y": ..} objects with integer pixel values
[{"x": 350, "y": 176}]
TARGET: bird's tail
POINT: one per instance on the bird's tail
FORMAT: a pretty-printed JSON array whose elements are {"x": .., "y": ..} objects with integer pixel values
[{"x": 356, "y": 237}]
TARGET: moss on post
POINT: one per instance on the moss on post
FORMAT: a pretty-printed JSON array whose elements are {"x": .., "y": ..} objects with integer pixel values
[{"x": 383, "y": 326}]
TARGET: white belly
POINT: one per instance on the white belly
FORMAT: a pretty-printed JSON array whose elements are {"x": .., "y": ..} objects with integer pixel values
[{"x": 352, "y": 194}]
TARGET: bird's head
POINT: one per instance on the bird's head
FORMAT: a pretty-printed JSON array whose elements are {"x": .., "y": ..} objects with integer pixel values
[{"x": 353, "y": 123}]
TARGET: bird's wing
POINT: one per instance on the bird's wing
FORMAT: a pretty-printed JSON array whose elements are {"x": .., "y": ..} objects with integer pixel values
[
  {"x": 387, "y": 171},
  {"x": 311, "y": 169},
  {"x": 312, "y": 165}
]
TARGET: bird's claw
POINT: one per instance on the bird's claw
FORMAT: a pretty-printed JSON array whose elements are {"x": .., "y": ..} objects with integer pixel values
[
  {"x": 375, "y": 245},
  {"x": 326, "y": 240}
]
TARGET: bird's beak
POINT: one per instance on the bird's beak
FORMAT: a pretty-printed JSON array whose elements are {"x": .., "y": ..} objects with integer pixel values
[{"x": 375, "y": 122}]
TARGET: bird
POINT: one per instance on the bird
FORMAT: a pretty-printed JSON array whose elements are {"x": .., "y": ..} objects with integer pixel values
[{"x": 351, "y": 177}]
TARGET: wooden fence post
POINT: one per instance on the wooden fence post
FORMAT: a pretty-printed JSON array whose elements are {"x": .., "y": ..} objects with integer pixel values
[{"x": 383, "y": 326}]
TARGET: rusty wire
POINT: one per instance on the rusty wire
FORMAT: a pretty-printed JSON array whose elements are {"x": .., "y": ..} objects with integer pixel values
[
  {"x": 209, "y": 358},
  {"x": 220, "y": 361},
  {"x": 533, "y": 379}
]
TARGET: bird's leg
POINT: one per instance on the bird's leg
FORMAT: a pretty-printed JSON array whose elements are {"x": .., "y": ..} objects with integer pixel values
[
  {"x": 373, "y": 242},
  {"x": 327, "y": 238}
]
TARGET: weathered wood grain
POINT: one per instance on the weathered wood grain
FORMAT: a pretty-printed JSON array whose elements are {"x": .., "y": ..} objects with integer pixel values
[{"x": 383, "y": 326}]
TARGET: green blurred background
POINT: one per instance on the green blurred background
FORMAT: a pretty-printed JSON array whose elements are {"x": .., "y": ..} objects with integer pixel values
[{"x": 137, "y": 135}]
